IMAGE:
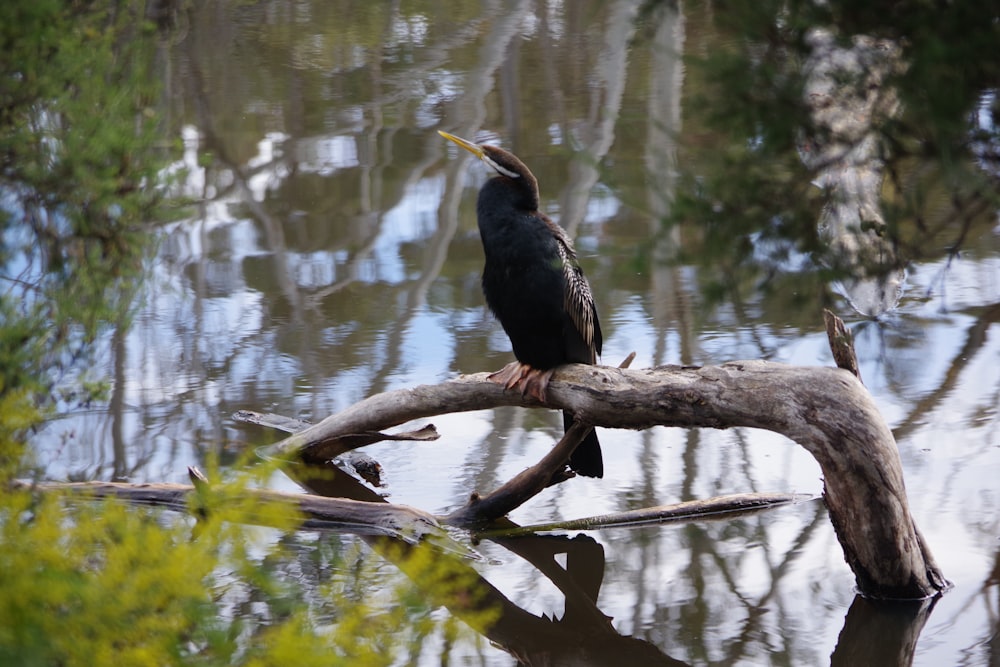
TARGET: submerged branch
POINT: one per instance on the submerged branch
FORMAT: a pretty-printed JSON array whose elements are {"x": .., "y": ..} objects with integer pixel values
[
  {"x": 719, "y": 507},
  {"x": 391, "y": 520},
  {"x": 370, "y": 518}
]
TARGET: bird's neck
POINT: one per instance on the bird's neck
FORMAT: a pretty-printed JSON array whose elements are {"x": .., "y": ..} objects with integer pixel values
[{"x": 518, "y": 194}]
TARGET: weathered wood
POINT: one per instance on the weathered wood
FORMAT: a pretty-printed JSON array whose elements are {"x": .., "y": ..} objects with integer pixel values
[
  {"x": 380, "y": 518},
  {"x": 351, "y": 440},
  {"x": 826, "y": 410},
  {"x": 524, "y": 486},
  {"x": 841, "y": 343},
  {"x": 720, "y": 507},
  {"x": 374, "y": 518}
]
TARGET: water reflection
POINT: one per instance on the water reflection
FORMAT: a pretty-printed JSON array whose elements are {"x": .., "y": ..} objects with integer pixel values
[
  {"x": 850, "y": 98},
  {"x": 331, "y": 253}
]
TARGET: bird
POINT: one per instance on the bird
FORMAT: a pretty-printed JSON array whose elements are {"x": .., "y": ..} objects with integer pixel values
[{"x": 534, "y": 285}]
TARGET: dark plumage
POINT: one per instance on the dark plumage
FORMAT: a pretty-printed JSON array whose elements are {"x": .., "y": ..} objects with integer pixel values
[{"x": 534, "y": 286}]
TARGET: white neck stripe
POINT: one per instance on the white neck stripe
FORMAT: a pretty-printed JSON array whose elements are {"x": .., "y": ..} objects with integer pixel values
[{"x": 506, "y": 172}]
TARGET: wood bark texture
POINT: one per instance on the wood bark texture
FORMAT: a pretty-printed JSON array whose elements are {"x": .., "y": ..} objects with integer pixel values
[{"x": 825, "y": 410}]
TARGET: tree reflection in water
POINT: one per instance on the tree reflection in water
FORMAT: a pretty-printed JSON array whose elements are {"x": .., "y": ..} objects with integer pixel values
[{"x": 332, "y": 255}]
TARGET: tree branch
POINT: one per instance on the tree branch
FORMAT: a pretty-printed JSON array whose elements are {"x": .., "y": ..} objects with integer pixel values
[
  {"x": 526, "y": 485},
  {"x": 720, "y": 507},
  {"x": 841, "y": 343},
  {"x": 369, "y": 518},
  {"x": 825, "y": 410}
]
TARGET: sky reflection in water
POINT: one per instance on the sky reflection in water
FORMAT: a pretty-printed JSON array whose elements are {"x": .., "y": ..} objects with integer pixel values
[{"x": 338, "y": 257}]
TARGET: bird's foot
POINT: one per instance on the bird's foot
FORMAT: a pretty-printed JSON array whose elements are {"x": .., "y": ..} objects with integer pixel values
[
  {"x": 535, "y": 383},
  {"x": 509, "y": 375},
  {"x": 532, "y": 381}
]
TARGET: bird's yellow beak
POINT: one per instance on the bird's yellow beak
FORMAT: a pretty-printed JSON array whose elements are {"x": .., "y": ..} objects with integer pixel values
[{"x": 467, "y": 145}]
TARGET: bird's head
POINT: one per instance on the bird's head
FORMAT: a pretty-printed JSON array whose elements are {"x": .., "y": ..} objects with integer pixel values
[
  {"x": 515, "y": 177},
  {"x": 503, "y": 162}
]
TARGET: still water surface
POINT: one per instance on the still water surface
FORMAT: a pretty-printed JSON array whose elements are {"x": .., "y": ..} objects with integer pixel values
[{"x": 333, "y": 253}]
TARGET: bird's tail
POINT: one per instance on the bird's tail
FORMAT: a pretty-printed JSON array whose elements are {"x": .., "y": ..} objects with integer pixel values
[{"x": 586, "y": 460}]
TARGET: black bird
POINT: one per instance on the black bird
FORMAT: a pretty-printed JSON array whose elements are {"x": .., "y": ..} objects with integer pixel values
[{"x": 535, "y": 287}]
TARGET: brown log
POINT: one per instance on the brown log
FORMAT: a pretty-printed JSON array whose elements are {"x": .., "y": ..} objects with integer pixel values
[
  {"x": 373, "y": 518},
  {"x": 826, "y": 410}
]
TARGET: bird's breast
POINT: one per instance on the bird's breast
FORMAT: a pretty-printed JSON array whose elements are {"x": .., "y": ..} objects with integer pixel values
[{"x": 517, "y": 238}]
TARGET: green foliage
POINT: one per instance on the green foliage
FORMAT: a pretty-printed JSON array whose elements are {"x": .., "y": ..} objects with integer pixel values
[
  {"x": 96, "y": 582},
  {"x": 99, "y": 585},
  {"x": 77, "y": 166}
]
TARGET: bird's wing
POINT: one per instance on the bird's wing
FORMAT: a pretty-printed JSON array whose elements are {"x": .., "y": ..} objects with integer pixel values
[{"x": 578, "y": 299}]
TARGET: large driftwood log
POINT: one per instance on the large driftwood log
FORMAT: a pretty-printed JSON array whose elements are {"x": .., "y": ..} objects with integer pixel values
[{"x": 826, "y": 410}]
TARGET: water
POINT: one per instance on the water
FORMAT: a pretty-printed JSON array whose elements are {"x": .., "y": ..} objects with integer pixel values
[{"x": 333, "y": 254}]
